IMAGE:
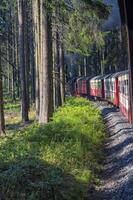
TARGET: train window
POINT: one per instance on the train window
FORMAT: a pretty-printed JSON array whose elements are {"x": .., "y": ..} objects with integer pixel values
[
  {"x": 122, "y": 90},
  {"x": 119, "y": 88},
  {"x": 99, "y": 85},
  {"x": 107, "y": 86},
  {"x": 126, "y": 92},
  {"x": 113, "y": 87}
]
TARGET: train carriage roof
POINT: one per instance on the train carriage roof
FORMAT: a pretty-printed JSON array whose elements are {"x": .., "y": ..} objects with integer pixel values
[
  {"x": 89, "y": 77},
  {"x": 109, "y": 76},
  {"x": 84, "y": 78},
  {"x": 117, "y": 74},
  {"x": 80, "y": 78},
  {"x": 99, "y": 77},
  {"x": 124, "y": 73}
]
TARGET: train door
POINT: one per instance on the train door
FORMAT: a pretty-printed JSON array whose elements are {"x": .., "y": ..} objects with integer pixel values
[{"x": 116, "y": 92}]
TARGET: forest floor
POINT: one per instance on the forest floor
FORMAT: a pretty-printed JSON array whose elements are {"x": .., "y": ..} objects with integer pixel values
[
  {"x": 116, "y": 179},
  {"x": 55, "y": 161},
  {"x": 64, "y": 156},
  {"x": 13, "y": 116}
]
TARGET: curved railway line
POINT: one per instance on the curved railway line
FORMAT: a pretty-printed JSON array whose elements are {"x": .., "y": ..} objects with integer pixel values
[{"x": 117, "y": 173}]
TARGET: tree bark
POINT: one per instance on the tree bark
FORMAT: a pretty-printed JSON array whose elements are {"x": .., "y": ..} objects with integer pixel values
[
  {"x": 24, "y": 100},
  {"x": 57, "y": 71},
  {"x": 62, "y": 74},
  {"x": 2, "y": 120},
  {"x": 37, "y": 51},
  {"x": 45, "y": 70}
]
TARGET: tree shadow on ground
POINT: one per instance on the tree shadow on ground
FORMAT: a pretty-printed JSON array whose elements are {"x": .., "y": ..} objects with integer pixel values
[
  {"x": 18, "y": 125},
  {"x": 37, "y": 180},
  {"x": 123, "y": 192}
]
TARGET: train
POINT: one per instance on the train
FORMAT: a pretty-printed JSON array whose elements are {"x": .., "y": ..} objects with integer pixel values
[{"x": 114, "y": 88}]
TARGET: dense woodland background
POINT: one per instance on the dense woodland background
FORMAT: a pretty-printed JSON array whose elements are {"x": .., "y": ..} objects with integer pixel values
[
  {"x": 44, "y": 43},
  {"x": 51, "y": 144}
]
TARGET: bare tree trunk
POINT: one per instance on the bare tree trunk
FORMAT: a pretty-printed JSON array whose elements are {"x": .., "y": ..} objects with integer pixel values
[
  {"x": 37, "y": 50},
  {"x": 8, "y": 66},
  {"x": 24, "y": 101},
  {"x": 27, "y": 50},
  {"x": 45, "y": 70},
  {"x": 62, "y": 74},
  {"x": 32, "y": 58},
  {"x": 2, "y": 120},
  {"x": 57, "y": 70},
  {"x": 79, "y": 70},
  {"x": 13, "y": 61},
  {"x": 85, "y": 67}
]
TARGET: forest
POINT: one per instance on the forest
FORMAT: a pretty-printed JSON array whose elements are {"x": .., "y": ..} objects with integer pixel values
[
  {"x": 35, "y": 39},
  {"x": 40, "y": 156}
]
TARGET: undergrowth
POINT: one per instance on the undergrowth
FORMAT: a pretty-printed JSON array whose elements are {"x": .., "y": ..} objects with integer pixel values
[
  {"x": 14, "y": 106},
  {"x": 13, "y": 115},
  {"x": 56, "y": 161}
]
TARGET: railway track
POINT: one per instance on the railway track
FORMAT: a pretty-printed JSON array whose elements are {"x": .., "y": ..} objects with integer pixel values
[{"x": 117, "y": 173}]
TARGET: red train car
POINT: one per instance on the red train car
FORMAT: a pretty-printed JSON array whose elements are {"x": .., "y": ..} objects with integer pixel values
[
  {"x": 83, "y": 86},
  {"x": 111, "y": 88},
  {"x": 97, "y": 86},
  {"x": 79, "y": 85},
  {"x": 87, "y": 85},
  {"x": 123, "y": 81}
]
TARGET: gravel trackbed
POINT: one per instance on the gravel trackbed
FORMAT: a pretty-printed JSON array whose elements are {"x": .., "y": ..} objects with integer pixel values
[{"x": 117, "y": 176}]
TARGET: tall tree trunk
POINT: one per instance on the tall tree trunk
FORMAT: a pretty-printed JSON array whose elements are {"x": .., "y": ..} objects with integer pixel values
[
  {"x": 24, "y": 101},
  {"x": 45, "y": 70},
  {"x": 85, "y": 67},
  {"x": 62, "y": 74},
  {"x": 2, "y": 121},
  {"x": 27, "y": 49},
  {"x": 79, "y": 70},
  {"x": 57, "y": 70},
  {"x": 37, "y": 50},
  {"x": 8, "y": 67},
  {"x": 32, "y": 59},
  {"x": 13, "y": 61}
]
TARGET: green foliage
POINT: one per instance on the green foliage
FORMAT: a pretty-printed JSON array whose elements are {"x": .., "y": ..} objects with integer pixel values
[
  {"x": 57, "y": 160},
  {"x": 101, "y": 9},
  {"x": 84, "y": 29},
  {"x": 84, "y": 32},
  {"x": 3, "y": 5},
  {"x": 13, "y": 107},
  {"x": 115, "y": 52}
]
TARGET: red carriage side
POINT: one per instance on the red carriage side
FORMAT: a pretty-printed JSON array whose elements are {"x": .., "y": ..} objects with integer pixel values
[
  {"x": 124, "y": 94},
  {"x": 97, "y": 86},
  {"x": 112, "y": 88}
]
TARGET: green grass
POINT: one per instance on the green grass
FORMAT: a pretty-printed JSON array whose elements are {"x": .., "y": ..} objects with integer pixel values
[
  {"x": 53, "y": 161},
  {"x": 13, "y": 115},
  {"x": 12, "y": 107}
]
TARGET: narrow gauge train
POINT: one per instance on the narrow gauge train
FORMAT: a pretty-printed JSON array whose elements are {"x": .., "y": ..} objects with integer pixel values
[{"x": 112, "y": 88}]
